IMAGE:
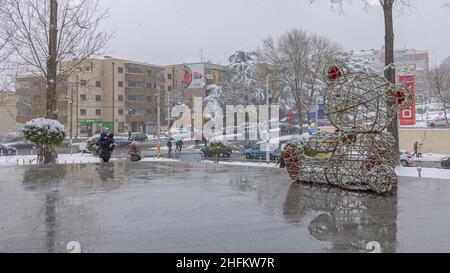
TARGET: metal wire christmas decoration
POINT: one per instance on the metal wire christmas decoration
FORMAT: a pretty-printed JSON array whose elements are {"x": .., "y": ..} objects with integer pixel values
[{"x": 360, "y": 154}]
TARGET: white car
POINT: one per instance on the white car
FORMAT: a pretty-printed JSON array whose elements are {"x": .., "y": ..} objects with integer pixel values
[
  {"x": 437, "y": 121},
  {"x": 406, "y": 159}
]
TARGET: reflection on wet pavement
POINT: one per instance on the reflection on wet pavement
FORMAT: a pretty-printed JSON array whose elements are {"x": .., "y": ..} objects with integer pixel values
[{"x": 172, "y": 207}]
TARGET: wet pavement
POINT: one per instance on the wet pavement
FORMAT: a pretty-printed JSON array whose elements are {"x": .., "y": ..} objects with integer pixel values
[{"x": 173, "y": 207}]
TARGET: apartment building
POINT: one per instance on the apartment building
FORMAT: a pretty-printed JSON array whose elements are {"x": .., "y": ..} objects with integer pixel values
[
  {"x": 8, "y": 111},
  {"x": 111, "y": 93},
  {"x": 407, "y": 61},
  {"x": 190, "y": 80}
]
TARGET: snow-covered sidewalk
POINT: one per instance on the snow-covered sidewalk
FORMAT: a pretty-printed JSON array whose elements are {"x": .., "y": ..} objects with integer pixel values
[{"x": 429, "y": 157}]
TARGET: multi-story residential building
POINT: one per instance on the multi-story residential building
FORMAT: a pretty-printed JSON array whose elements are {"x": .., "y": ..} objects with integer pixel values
[
  {"x": 116, "y": 94},
  {"x": 8, "y": 111},
  {"x": 191, "y": 80},
  {"x": 407, "y": 61}
]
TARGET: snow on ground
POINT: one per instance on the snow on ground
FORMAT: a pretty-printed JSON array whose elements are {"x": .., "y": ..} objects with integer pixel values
[
  {"x": 87, "y": 158},
  {"x": 426, "y": 173},
  {"x": 430, "y": 157}
]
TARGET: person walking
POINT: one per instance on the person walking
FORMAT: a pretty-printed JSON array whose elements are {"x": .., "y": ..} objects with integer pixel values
[
  {"x": 181, "y": 144},
  {"x": 134, "y": 151},
  {"x": 169, "y": 146},
  {"x": 416, "y": 147},
  {"x": 105, "y": 146},
  {"x": 420, "y": 150}
]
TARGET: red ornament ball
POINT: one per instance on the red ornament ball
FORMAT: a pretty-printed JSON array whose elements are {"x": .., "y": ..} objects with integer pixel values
[{"x": 334, "y": 73}]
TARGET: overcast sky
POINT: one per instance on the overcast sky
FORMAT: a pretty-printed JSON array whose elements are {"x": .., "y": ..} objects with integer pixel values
[{"x": 175, "y": 31}]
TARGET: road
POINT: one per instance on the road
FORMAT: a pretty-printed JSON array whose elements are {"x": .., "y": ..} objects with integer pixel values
[{"x": 173, "y": 207}]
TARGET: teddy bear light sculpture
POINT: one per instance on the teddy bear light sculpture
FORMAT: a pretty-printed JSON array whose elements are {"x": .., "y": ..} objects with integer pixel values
[{"x": 360, "y": 154}]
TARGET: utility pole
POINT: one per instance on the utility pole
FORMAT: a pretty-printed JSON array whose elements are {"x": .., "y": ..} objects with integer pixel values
[
  {"x": 158, "y": 129},
  {"x": 267, "y": 122},
  {"x": 71, "y": 114},
  {"x": 113, "y": 98},
  {"x": 52, "y": 62},
  {"x": 77, "y": 110}
]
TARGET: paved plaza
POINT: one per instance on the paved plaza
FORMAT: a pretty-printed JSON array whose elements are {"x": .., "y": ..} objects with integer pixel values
[{"x": 175, "y": 207}]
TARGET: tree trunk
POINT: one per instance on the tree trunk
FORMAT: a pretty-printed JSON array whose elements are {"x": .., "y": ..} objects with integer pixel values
[
  {"x": 300, "y": 119},
  {"x": 52, "y": 63},
  {"x": 390, "y": 59}
]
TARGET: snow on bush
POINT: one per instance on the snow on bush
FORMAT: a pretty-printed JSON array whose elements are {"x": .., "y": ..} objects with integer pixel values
[
  {"x": 44, "y": 131},
  {"x": 218, "y": 146}
]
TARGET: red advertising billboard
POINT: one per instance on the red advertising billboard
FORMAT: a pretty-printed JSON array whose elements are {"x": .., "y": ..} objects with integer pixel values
[{"x": 408, "y": 116}]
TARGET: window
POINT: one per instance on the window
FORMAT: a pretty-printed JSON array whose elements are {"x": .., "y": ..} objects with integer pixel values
[
  {"x": 135, "y": 97},
  {"x": 149, "y": 111},
  {"x": 136, "y": 112},
  {"x": 120, "y": 70},
  {"x": 120, "y": 97},
  {"x": 149, "y": 86},
  {"x": 83, "y": 112},
  {"x": 85, "y": 128},
  {"x": 120, "y": 83},
  {"x": 23, "y": 84},
  {"x": 135, "y": 70},
  {"x": 83, "y": 97},
  {"x": 98, "y": 84},
  {"x": 98, "y": 98},
  {"x": 169, "y": 88},
  {"x": 136, "y": 84},
  {"x": 23, "y": 111},
  {"x": 154, "y": 85},
  {"x": 149, "y": 72},
  {"x": 121, "y": 127},
  {"x": 162, "y": 87},
  {"x": 88, "y": 68},
  {"x": 98, "y": 112},
  {"x": 83, "y": 83},
  {"x": 149, "y": 98},
  {"x": 169, "y": 76},
  {"x": 24, "y": 99},
  {"x": 120, "y": 112}
]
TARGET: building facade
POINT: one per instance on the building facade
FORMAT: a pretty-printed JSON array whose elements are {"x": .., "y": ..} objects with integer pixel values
[
  {"x": 191, "y": 80},
  {"x": 407, "y": 61},
  {"x": 8, "y": 111},
  {"x": 120, "y": 95}
]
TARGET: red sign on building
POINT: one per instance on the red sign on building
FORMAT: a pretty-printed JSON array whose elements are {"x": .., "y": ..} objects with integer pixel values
[{"x": 408, "y": 116}]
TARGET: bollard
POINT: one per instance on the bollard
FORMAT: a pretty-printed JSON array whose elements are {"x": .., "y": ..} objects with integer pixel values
[
  {"x": 23, "y": 161},
  {"x": 1, "y": 152},
  {"x": 419, "y": 171}
]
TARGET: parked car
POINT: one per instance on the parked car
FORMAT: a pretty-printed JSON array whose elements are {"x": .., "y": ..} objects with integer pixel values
[
  {"x": 256, "y": 151},
  {"x": 207, "y": 153},
  {"x": 437, "y": 121},
  {"x": 22, "y": 145},
  {"x": 121, "y": 142},
  {"x": 406, "y": 159},
  {"x": 139, "y": 137},
  {"x": 445, "y": 163},
  {"x": 287, "y": 128},
  {"x": 7, "y": 150}
]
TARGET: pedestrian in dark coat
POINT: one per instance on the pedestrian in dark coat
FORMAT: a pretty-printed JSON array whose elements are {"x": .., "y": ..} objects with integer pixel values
[
  {"x": 105, "y": 146},
  {"x": 416, "y": 148},
  {"x": 169, "y": 146}
]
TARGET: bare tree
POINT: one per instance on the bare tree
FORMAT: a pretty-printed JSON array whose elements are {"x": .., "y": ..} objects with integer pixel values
[
  {"x": 388, "y": 10},
  {"x": 297, "y": 58},
  {"x": 53, "y": 51},
  {"x": 440, "y": 84}
]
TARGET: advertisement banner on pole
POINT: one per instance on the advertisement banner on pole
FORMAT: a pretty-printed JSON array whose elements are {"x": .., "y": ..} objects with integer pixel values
[
  {"x": 408, "y": 116},
  {"x": 194, "y": 76}
]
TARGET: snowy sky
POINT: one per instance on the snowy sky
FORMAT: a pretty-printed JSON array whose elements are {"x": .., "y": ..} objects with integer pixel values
[{"x": 175, "y": 31}]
